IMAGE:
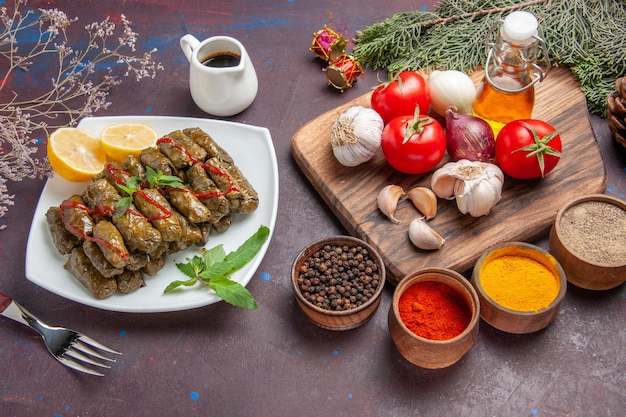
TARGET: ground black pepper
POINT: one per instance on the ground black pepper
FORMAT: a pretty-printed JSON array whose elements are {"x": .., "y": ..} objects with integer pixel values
[
  {"x": 339, "y": 277},
  {"x": 595, "y": 231}
]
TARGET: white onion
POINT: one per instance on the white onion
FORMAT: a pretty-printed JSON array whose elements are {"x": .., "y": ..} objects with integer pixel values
[{"x": 451, "y": 88}]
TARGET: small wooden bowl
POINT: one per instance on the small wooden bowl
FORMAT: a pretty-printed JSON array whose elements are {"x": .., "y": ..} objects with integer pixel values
[
  {"x": 427, "y": 353},
  {"x": 515, "y": 321},
  {"x": 586, "y": 272},
  {"x": 343, "y": 319}
]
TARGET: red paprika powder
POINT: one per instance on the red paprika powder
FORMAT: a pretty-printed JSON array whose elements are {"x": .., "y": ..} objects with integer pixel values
[{"x": 433, "y": 310}]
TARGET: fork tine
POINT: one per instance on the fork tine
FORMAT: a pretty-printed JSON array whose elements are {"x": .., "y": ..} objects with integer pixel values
[
  {"x": 71, "y": 352},
  {"x": 95, "y": 343},
  {"x": 86, "y": 349},
  {"x": 77, "y": 366}
]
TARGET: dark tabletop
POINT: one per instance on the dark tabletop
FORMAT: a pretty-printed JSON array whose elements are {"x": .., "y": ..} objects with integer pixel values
[{"x": 224, "y": 361}]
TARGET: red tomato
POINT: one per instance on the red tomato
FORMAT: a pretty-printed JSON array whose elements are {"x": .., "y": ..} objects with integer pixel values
[
  {"x": 400, "y": 96},
  {"x": 413, "y": 144},
  {"x": 528, "y": 149}
]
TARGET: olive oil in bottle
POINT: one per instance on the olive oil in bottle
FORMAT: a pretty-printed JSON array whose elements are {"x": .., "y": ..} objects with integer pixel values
[{"x": 507, "y": 91}]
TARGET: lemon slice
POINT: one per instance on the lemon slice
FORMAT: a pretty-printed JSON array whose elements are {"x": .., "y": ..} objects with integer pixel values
[
  {"x": 75, "y": 154},
  {"x": 121, "y": 140}
]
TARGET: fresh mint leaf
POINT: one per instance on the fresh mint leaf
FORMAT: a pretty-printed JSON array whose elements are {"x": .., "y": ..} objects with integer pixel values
[
  {"x": 248, "y": 250},
  {"x": 188, "y": 270},
  {"x": 158, "y": 179},
  {"x": 213, "y": 266},
  {"x": 151, "y": 176},
  {"x": 122, "y": 206},
  {"x": 213, "y": 256},
  {"x": 170, "y": 181},
  {"x": 237, "y": 259},
  {"x": 132, "y": 185},
  {"x": 175, "y": 284},
  {"x": 233, "y": 292}
]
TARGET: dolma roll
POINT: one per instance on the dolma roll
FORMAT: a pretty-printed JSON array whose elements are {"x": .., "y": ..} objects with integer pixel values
[
  {"x": 242, "y": 196},
  {"x": 205, "y": 230},
  {"x": 129, "y": 281},
  {"x": 223, "y": 224},
  {"x": 249, "y": 200},
  {"x": 191, "y": 234},
  {"x": 204, "y": 140},
  {"x": 95, "y": 255},
  {"x": 160, "y": 213},
  {"x": 76, "y": 217},
  {"x": 154, "y": 266},
  {"x": 63, "y": 240},
  {"x": 186, "y": 202},
  {"x": 218, "y": 172},
  {"x": 208, "y": 192},
  {"x": 83, "y": 270},
  {"x": 133, "y": 166},
  {"x": 180, "y": 149},
  {"x": 111, "y": 243},
  {"x": 153, "y": 158},
  {"x": 117, "y": 176},
  {"x": 138, "y": 260},
  {"x": 102, "y": 197},
  {"x": 138, "y": 232}
]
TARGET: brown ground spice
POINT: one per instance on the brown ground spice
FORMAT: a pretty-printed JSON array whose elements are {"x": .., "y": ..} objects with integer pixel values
[{"x": 596, "y": 232}]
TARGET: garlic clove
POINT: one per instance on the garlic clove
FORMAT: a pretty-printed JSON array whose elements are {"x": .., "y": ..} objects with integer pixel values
[
  {"x": 388, "y": 199},
  {"x": 425, "y": 200},
  {"x": 423, "y": 236},
  {"x": 442, "y": 181}
]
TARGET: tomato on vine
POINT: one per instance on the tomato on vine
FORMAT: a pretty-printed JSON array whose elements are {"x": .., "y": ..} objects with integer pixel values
[
  {"x": 400, "y": 95},
  {"x": 528, "y": 149},
  {"x": 413, "y": 144}
]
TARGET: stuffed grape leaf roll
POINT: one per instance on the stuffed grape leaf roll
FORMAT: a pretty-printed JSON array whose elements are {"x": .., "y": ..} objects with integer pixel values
[
  {"x": 83, "y": 270},
  {"x": 111, "y": 243},
  {"x": 63, "y": 240},
  {"x": 159, "y": 212}
]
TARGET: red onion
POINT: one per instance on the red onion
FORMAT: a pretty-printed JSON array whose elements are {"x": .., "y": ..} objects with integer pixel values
[{"x": 468, "y": 137}]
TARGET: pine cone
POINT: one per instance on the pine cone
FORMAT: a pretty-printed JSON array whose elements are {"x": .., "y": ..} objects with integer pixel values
[{"x": 616, "y": 111}]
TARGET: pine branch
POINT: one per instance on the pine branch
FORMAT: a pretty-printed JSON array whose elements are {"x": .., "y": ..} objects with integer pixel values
[{"x": 585, "y": 35}]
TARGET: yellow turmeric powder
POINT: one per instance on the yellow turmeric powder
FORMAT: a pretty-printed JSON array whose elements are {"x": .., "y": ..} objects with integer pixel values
[{"x": 519, "y": 283}]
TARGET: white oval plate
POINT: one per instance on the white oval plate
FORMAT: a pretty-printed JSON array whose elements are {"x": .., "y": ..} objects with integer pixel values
[{"x": 253, "y": 151}]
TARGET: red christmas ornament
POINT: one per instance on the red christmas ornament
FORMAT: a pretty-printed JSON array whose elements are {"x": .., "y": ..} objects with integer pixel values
[
  {"x": 328, "y": 44},
  {"x": 343, "y": 72}
]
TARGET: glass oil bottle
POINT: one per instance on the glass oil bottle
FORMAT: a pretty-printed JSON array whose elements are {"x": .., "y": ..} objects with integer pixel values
[{"x": 507, "y": 91}]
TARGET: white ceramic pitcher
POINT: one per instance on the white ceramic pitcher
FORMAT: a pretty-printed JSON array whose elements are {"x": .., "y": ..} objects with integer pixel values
[{"x": 224, "y": 90}]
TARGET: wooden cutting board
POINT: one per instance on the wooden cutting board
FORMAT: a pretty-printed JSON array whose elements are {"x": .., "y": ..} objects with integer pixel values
[{"x": 526, "y": 211}]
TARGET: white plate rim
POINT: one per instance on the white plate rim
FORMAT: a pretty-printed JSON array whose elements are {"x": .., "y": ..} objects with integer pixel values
[{"x": 40, "y": 247}]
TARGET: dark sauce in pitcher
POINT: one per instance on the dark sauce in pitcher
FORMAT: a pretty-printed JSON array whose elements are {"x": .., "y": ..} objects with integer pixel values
[{"x": 222, "y": 60}]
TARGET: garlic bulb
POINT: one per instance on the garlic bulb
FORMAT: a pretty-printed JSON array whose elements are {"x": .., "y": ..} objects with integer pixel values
[
  {"x": 423, "y": 236},
  {"x": 477, "y": 186},
  {"x": 356, "y": 135},
  {"x": 451, "y": 88}
]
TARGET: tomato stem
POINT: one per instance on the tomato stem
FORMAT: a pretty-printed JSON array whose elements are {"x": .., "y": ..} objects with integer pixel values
[{"x": 416, "y": 124}]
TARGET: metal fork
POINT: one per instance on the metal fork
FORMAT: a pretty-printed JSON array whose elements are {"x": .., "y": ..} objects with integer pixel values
[{"x": 66, "y": 345}]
